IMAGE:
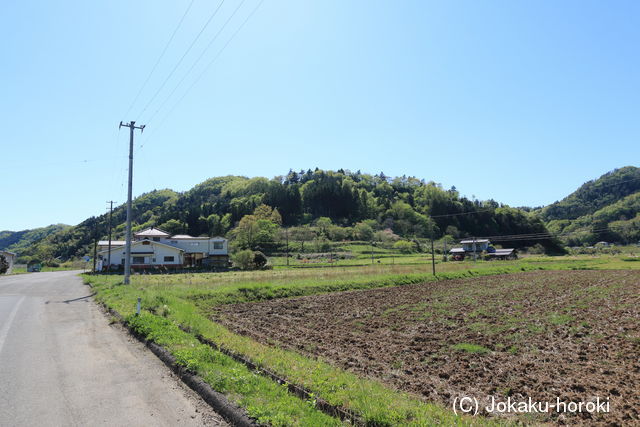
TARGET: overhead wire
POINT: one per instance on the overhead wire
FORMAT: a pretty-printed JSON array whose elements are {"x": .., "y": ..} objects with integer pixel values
[
  {"x": 155, "y": 66},
  {"x": 204, "y": 51},
  {"x": 202, "y": 74},
  {"x": 215, "y": 12}
]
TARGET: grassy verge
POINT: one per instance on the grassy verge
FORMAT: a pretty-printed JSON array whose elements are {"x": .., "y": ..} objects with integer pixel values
[{"x": 264, "y": 400}]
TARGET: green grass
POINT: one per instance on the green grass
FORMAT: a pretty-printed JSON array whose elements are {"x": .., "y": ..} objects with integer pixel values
[
  {"x": 263, "y": 399},
  {"x": 471, "y": 348}
]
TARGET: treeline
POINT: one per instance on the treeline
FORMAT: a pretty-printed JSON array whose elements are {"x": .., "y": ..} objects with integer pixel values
[{"x": 348, "y": 202}]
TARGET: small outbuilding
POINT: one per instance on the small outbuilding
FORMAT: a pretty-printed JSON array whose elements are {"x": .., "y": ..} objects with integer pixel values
[{"x": 503, "y": 254}]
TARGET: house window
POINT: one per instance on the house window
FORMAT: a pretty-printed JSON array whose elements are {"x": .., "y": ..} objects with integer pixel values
[
  {"x": 169, "y": 259},
  {"x": 138, "y": 260},
  {"x": 156, "y": 239},
  {"x": 122, "y": 261},
  {"x": 218, "y": 245},
  {"x": 153, "y": 260}
]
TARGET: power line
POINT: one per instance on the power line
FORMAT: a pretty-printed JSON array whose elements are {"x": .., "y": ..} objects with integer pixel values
[
  {"x": 201, "y": 75},
  {"x": 197, "y": 60},
  {"x": 215, "y": 12},
  {"x": 153, "y": 69}
]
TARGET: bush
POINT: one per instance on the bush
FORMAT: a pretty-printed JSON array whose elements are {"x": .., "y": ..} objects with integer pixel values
[
  {"x": 536, "y": 249},
  {"x": 250, "y": 260},
  {"x": 259, "y": 260},
  {"x": 243, "y": 259},
  {"x": 4, "y": 265},
  {"x": 404, "y": 246}
]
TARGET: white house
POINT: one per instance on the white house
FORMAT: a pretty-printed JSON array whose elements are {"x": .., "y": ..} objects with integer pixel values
[
  {"x": 193, "y": 251},
  {"x": 11, "y": 259},
  {"x": 145, "y": 254}
]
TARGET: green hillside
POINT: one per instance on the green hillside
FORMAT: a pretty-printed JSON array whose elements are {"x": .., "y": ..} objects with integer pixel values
[
  {"x": 20, "y": 241},
  {"x": 317, "y": 204},
  {"x": 618, "y": 222},
  {"x": 595, "y": 195}
]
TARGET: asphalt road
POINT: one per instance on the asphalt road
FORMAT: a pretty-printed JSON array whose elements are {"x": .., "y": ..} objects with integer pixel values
[{"x": 62, "y": 364}]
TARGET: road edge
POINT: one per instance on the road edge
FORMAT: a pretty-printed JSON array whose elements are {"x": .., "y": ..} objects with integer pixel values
[{"x": 231, "y": 412}]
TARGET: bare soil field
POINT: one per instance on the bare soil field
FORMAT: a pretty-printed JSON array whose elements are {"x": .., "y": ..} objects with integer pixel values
[{"x": 547, "y": 335}]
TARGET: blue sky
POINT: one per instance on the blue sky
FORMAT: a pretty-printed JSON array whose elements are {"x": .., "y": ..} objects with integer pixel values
[{"x": 512, "y": 100}]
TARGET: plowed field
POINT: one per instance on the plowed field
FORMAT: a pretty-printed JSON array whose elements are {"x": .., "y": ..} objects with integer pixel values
[{"x": 568, "y": 335}]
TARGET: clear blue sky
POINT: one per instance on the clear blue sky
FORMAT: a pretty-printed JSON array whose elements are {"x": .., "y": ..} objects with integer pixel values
[{"x": 518, "y": 101}]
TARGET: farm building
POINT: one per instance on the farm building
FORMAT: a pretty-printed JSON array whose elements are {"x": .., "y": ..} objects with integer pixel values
[
  {"x": 502, "y": 254},
  {"x": 11, "y": 259},
  {"x": 185, "y": 250},
  {"x": 479, "y": 246}
]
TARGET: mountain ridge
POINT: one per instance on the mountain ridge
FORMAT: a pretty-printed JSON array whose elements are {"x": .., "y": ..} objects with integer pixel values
[{"x": 408, "y": 206}]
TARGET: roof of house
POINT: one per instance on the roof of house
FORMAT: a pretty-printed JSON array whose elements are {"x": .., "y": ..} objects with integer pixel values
[
  {"x": 7, "y": 252},
  {"x": 113, "y": 243},
  {"x": 476, "y": 240},
  {"x": 152, "y": 232},
  {"x": 502, "y": 252},
  {"x": 144, "y": 242},
  {"x": 187, "y": 237}
]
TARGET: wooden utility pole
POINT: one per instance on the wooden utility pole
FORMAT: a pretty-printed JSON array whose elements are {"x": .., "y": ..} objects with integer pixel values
[
  {"x": 109, "y": 249},
  {"x": 127, "y": 255}
]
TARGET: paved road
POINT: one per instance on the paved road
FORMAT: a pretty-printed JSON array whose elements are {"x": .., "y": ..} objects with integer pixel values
[{"x": 62, "y": 364}]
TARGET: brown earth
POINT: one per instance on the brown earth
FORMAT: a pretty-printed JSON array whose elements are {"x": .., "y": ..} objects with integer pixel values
[{"x": 568, "y": 335}]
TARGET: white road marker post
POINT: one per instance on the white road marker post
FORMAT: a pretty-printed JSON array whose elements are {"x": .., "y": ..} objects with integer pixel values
[{"x": 138, "y": 307}]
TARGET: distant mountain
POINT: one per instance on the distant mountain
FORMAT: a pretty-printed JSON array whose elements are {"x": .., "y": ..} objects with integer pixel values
[
  {"x": 18, "y": 241},
  {"x": 605, "y": 209},
  {"x": 408, "y": 206}
]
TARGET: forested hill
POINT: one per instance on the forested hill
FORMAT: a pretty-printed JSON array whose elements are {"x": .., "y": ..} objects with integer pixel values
[
  {"x": 595, "y": 195},
  {"x": 353, "y": 205},
  {"x": 605, "y": 209},
  {"x": 19, "y": 241}
]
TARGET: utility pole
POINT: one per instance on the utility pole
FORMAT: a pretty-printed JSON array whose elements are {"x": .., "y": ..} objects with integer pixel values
[
  {"x": 372, "y": 252},
  {"x": 286, "y": 233},
  {"x": 95, "y": 245},
  {"x": 109, "y": 250},
  {"x": 445, "y": 249},
  {"x": 433, "y": 257},
  {"x": 474, "y": 249},
  {"x": 127, "y": 256}
]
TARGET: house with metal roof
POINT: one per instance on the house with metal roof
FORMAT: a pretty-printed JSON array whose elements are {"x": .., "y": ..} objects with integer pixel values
[
  {"x": 145, "y": 254},
  {"x": 480, "y": 246},
  {"x": 196, "y": 251},
  {"x": 504, "y": 254}
]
